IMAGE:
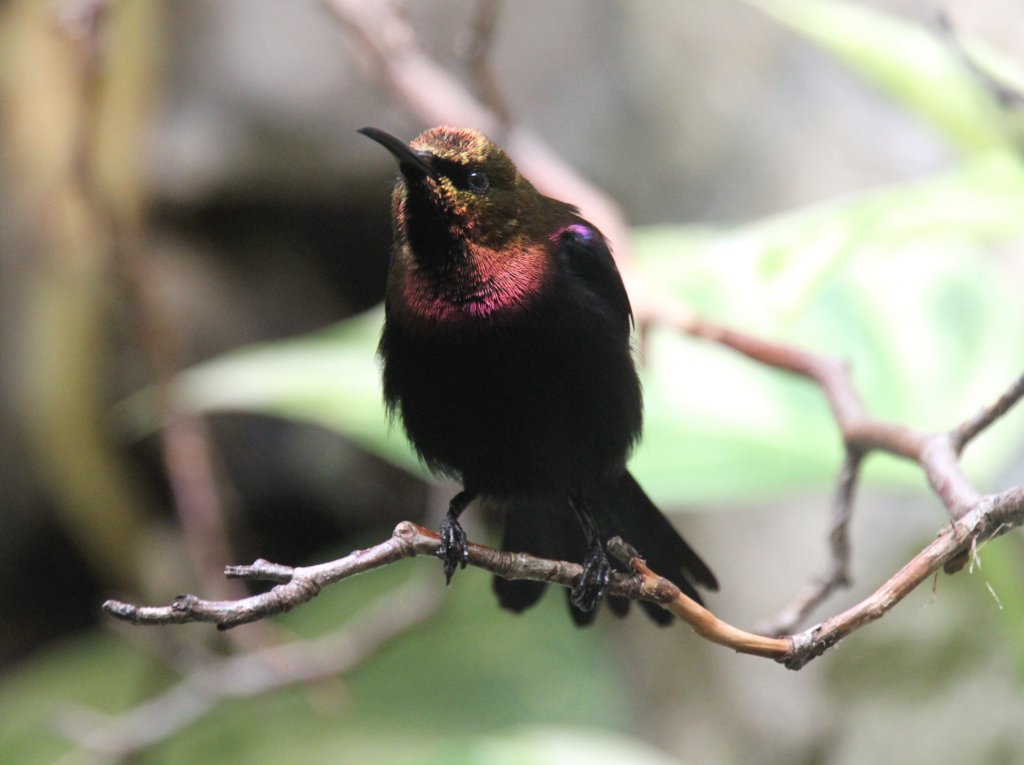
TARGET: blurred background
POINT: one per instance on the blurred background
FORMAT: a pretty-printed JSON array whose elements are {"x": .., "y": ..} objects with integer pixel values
[{"x": 193, "y": 244}]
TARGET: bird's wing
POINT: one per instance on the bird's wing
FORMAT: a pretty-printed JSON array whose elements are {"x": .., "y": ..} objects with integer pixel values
[{"x": 584, "y": 252}]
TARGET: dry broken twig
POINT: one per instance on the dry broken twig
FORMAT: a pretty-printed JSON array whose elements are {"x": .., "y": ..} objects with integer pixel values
[{"x": 299, "y": 585}]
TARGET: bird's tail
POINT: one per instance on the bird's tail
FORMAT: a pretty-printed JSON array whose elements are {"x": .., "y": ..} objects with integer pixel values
[{"x": 620, "y": 508}]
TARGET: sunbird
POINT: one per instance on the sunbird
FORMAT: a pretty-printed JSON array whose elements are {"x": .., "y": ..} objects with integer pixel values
[{"x": 507, "y": 356}]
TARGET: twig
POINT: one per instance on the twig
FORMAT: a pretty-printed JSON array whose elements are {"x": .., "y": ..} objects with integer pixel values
[
  {"x": 817, "y": 591},
  {"x": 393, "y": 53},
  {"x": 299, "y": 585},
  {"x": 703, "y": 622},
  {"x": 250, "y": 674},
  {"x": 936, "y": 453},
  {"x": 302, "y": 584},
  {"x": 993, "y": 516},
  {"x": 986, "y": 416},
  {"x": 476, "y": 46}
]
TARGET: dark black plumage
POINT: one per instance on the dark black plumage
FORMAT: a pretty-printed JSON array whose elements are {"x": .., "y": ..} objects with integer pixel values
[{"x": 506, "y": 353}]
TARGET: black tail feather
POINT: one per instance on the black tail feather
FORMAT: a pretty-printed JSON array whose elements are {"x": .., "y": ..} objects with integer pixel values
[
  {"x": 618, "y": 606},
  {"x": 631, "y": 514},
  {"x": 550, "y": 530},
  {"x": 533, "y": 528}
]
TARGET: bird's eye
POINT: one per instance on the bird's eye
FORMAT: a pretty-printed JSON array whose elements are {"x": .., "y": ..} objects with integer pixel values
[{"x": 478, "y": 181}]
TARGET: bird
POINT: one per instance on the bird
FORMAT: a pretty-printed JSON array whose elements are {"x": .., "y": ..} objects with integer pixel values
[{"x": 506, "y": 354}]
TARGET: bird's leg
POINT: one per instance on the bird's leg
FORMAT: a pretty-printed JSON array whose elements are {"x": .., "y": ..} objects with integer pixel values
[
  {"x": 593, "y": 583},
  {"x": 454, "y": 547}
]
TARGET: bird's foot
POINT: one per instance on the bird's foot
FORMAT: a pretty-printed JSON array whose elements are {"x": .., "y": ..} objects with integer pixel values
[
  {"x": 593, "y": 583},
  {"x": 454, "y": 547}
]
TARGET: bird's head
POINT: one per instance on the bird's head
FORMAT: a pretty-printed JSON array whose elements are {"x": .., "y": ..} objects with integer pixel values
[{"x": 457, "y": 186}]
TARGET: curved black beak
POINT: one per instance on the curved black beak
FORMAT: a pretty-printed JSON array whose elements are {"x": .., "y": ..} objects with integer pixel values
[{"x": 412, "y": 164}]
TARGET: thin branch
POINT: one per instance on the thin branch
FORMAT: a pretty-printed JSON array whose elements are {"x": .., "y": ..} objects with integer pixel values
[
  {"x": 838, "y": 575},
  {"x": 937, "y": 453},
  {"x": 299, "y": 585},
  {"x": 992, "y": 517},
  {"x": 704, "y": 623},
  {"x": 302, "y": 584},
  {"x": 983, "y": 519},
  {"x": 392, "y": 53},
  {"x": 476, "y": 46},
  {"x": 986, "y": 416},
  {"x": 253, "y": 673}
]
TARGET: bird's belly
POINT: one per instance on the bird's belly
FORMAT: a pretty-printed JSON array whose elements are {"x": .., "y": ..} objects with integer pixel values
[{"x": 513, "y": 418}]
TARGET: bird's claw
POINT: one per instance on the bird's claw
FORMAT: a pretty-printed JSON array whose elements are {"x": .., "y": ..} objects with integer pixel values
[
  {"x": 593, "y": 583},
  {"x": 454, "y": 547}
]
